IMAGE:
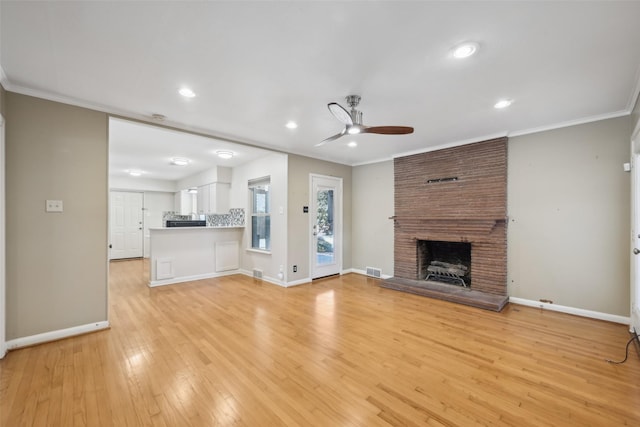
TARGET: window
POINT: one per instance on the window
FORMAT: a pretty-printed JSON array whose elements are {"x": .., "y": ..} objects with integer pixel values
[{"x": 259, "y": 190}]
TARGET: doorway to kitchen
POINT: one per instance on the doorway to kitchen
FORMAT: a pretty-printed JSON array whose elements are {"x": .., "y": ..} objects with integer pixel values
[{"x": 326, "y": 225}]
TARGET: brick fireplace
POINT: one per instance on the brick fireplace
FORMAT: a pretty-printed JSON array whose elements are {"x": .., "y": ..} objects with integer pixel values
[{"x": 455, "y": 195}]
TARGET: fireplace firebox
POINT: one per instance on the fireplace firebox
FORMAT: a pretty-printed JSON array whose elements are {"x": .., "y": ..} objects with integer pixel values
[{"x": 446, "y": 262}]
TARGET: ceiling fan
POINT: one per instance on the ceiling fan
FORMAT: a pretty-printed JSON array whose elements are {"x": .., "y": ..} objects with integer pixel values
[{"x": 353, "y": 122}]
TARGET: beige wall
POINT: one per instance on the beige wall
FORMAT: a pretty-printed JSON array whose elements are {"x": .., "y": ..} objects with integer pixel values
[
  {"x": 298, "y": 228},
  {"x": 568, "y": 205},
  {"x": 569, "y": 221},
  {"x": 56, "y": 262},
  {"x": 372, "y": 230}
]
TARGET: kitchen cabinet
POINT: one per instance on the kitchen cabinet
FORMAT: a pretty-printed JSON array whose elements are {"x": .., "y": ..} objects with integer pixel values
[
  {"x": 213, "y": 198},
  {"x": 183, "y": 203}
]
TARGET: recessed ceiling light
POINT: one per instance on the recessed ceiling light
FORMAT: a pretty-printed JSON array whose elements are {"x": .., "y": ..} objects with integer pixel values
[
  {"x": 465, "y": 50},
  {"x": 180, "y": 161},
  {"x": 291, "y": 124},
  {"x": 224, "y": 154},
  {"x": 186, "y": 92},
  {"x": 352, "y": 144},
  {"x": 135, "y": 173},
  {"x": 503, "y": 103}
]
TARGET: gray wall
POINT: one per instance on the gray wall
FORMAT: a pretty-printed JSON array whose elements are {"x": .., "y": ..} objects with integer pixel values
[
  {"x": 298, "y": 196},
  {"x": 569, "y": 220},
  {"x": 56, "y": 262},
  {"x": 372, "y": 230}
]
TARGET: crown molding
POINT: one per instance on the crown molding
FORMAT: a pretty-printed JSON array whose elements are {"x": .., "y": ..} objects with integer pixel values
[
  {"x": 633, "y": 97},
  {"x": 569, "y": 123}
]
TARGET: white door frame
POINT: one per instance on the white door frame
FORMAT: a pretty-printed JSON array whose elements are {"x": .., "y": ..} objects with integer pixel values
[
  {"x": 3, "y": 253},
  {"x": 635, "y": 230},
  {"x": 338, "y": 221}
]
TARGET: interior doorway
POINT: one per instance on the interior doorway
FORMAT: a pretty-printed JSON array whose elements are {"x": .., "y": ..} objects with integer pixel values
[{"x": 326, "y": 225}]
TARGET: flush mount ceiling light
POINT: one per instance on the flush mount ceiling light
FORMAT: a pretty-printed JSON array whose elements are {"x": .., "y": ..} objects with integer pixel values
[
  {"x": 352, "y": 144},
  {"x": 180, "y": 161},
  {"x": 465, "y": 50},
  {"x": 224, "y": 154},
  {"x": 135, "y": 173},
  {"x": 186, "y": 92},
  {"x": 291, "y": 124},
  {"x": 503, "y": 103}
]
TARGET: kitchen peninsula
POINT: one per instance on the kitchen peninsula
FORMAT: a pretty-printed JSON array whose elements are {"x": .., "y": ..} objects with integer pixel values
[{"x": 182, "y": 254}]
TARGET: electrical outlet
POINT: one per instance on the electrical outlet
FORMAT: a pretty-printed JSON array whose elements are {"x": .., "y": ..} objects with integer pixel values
[
  {"x": 295, "y": 268},
  {"x": 54, "y": 206}
]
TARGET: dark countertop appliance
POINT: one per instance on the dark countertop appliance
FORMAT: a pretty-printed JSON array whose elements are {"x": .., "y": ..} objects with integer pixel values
[{"x": 186, "y": 223}]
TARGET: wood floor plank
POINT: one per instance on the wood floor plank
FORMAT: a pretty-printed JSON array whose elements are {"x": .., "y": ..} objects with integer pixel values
[{"x": 235, "y": 351}]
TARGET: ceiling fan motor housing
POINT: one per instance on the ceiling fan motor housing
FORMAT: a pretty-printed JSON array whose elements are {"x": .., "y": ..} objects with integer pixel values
[{"x": 353, "y": 100}]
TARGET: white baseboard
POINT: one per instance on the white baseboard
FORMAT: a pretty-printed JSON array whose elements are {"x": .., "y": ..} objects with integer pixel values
[
  {"x": 299, "y": 282},
  {"x": 3, "y": 350},
  {"x": 277, "y": 281},
  {"x": 55, "y": 335},
  {"x": 625, "y": 320},
  {"x": 364, "y": 273},
  {"x": 183, "y": 279},
  {"x": 635, "y": 317}
]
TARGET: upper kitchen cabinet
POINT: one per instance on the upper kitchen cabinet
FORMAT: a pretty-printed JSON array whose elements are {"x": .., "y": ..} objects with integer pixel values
[
  {"x": 213, "y": 198},
  {"x": 214, "y": 187}
]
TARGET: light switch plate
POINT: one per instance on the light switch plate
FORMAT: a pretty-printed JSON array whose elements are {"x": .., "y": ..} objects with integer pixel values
[{"x": 54, "y": 206}]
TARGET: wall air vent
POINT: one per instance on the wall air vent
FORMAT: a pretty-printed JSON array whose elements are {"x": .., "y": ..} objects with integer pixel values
[
  {"x": 257, "y": 274},
  {"x": 374, "y": 272}
]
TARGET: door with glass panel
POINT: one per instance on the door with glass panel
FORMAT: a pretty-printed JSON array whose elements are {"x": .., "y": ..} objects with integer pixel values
[{"x": 326, "y": 225}]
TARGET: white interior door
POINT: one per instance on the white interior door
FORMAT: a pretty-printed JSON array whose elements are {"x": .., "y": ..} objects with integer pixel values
[
  {"x": 125, "y": 225},
  {"x": 635, "y": 231},
  {"x": 326, "y": 225}
]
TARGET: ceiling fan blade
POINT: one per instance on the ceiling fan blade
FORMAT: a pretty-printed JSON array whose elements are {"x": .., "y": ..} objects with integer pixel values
[
  {"x": 388, "y": 130},
  {"x": 331, "y": 138},
  {"x": 340, "y": 113}
]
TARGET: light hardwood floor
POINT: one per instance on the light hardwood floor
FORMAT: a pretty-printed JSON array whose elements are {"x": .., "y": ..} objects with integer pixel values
[{"x": 338, "y": 352}]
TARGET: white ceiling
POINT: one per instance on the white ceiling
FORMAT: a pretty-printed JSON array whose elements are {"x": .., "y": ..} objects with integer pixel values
[
  {"x": 148, "y": 149},
  {"x": 256, "y": 65}
]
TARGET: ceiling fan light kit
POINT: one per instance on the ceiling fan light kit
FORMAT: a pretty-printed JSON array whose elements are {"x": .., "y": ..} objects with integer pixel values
[{"x": 353, "y": 121}]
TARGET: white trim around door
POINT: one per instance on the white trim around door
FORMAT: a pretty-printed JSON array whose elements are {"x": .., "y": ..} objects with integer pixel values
[{"x": 325, "y": 225}]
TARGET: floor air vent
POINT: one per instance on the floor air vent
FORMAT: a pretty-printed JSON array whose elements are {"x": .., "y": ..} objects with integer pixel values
[
  {"x": 374, "y": 272},
  {"x": 257, "y": 274}
]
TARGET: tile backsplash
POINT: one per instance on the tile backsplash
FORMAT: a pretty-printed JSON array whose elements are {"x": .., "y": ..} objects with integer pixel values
[{"x": 235, "y": 218}]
